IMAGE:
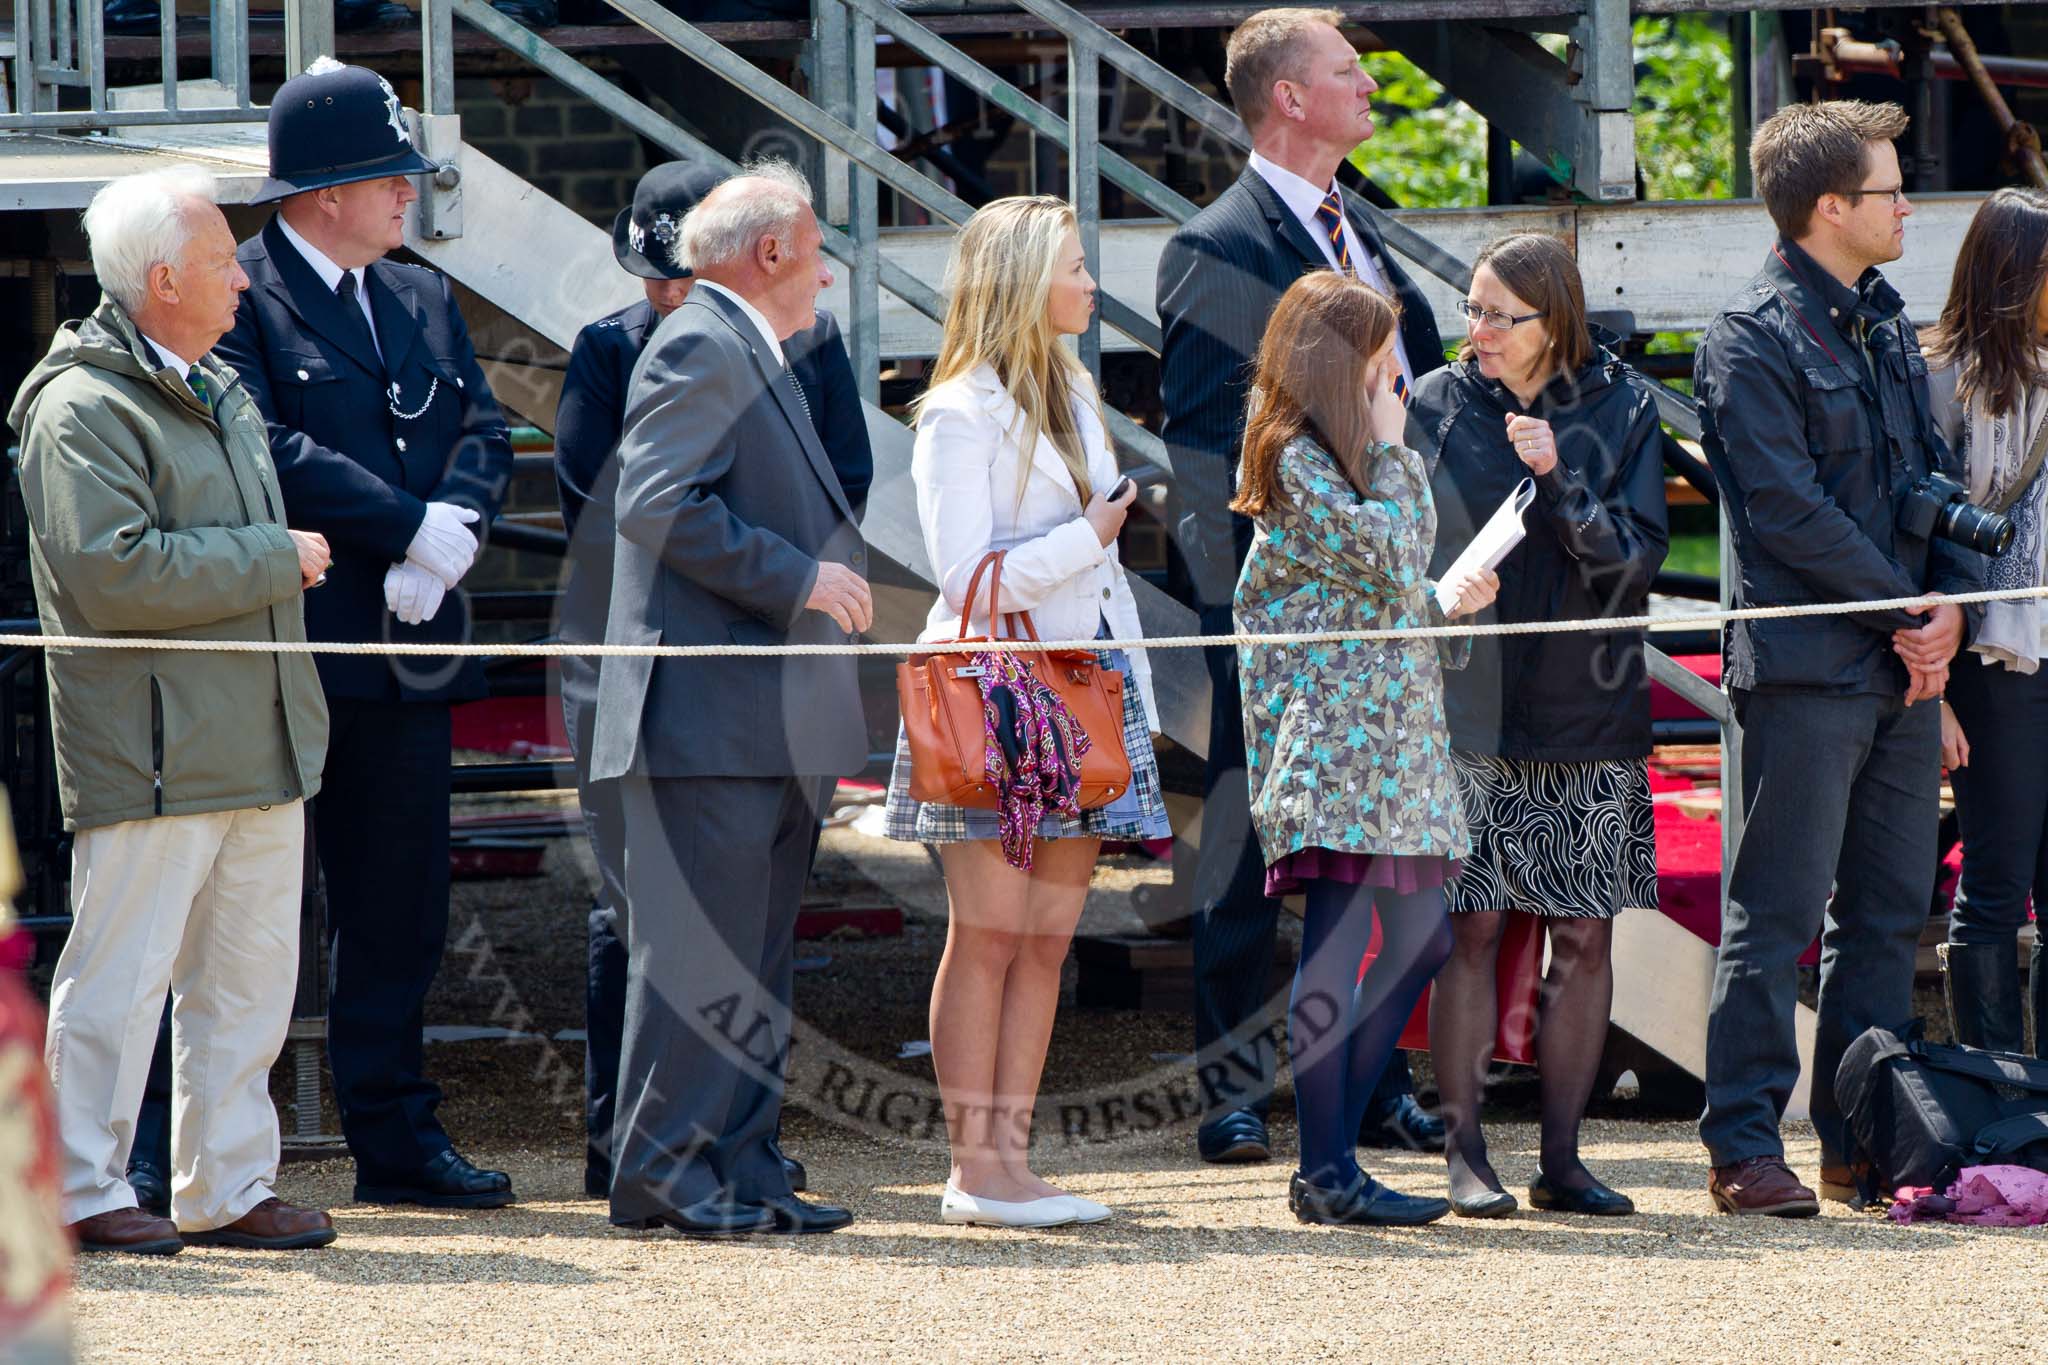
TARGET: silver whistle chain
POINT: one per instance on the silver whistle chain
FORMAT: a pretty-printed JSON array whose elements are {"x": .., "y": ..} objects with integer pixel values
[{"x": 432, "y": 388}]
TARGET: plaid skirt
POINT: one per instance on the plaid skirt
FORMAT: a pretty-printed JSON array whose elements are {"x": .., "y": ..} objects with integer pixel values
[{"x": 1140, "y": 813}]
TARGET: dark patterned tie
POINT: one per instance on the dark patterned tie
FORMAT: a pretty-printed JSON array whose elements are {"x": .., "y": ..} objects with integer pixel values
[
  {"x": 801, "y": 401},
  {"x": 352, "y": 312},
  {"x": 200, "y": 388},
  {"x": 1330, "y": 217}
]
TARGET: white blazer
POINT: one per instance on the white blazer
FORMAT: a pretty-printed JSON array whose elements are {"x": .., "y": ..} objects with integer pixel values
[{"x": 966, "y": 467}]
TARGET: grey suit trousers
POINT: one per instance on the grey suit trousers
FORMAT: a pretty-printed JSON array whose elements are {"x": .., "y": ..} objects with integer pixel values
[
  {"x": 714, "y": 870},
  {"x": 1841, "y": 793}
]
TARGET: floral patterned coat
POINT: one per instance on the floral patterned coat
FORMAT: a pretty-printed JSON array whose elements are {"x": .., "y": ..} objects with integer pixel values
[{"x": 1346, "y": 745}]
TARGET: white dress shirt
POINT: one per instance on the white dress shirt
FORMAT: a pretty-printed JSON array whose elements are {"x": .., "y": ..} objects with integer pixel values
[
  {"x": 1303, "y": 199},
  {"x": 171, "y": 359},
  {"x": 754, "y": 316},
  {"x": 330, "y": 275}
]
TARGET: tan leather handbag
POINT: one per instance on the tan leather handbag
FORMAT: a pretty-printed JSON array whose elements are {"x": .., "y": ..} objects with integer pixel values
[{"x": 950, "y": 724}]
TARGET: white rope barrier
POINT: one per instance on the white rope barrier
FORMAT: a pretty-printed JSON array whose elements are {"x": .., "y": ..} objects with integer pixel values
[{"x": 1651, "y": 624}]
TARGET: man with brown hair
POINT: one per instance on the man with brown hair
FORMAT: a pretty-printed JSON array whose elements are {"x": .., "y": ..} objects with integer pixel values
[
  {"x": 1306, "y": 101},
  {"x": 1814, "y": 414}
]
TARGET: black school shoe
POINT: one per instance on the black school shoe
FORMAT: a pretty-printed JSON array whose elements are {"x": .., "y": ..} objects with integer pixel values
[
  {"x": 1238, "y": 1137},
  {"x": 446, "y": 1182},
  {"x": 1364, "y": 1202}
]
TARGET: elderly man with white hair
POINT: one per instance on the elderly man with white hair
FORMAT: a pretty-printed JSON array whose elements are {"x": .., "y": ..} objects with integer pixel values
[
  {"x": 732, "y": 530},
  {"x": 153, "y": 511}
]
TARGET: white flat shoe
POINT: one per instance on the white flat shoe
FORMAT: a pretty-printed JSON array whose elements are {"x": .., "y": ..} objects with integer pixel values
[
  {"x": 958, "y": 1206},
  {"x": 1087, "y": 1210}
]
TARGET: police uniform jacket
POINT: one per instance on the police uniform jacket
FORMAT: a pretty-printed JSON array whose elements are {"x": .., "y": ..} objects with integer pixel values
[{"x": 362, "y": 445}]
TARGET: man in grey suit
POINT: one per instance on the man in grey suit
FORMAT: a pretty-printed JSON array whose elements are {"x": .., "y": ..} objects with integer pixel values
[{"x": 732, "y": 530}]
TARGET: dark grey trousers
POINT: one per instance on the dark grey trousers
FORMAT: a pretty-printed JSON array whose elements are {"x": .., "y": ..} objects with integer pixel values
[
  {"x": 1841, "y": 792},
  {"x": 715, "y": 871}
]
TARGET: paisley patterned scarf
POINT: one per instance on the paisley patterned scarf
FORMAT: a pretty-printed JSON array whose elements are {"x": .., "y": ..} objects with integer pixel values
[{"x": 1032, "y": 751}]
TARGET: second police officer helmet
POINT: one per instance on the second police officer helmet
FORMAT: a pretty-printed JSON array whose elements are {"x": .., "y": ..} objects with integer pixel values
[
  {"x": 335, "y": 124},
  {"x": 644, "y": 236}
]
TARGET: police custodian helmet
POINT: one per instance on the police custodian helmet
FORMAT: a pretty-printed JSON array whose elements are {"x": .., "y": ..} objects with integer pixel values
[
  {"x": 333, "y": 125},
  {"x": 644, "y": 234}
]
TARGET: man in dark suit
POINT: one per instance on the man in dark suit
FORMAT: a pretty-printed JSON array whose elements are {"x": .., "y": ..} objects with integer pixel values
[
  {"x": 388, "y": 442},
  {"x": 587, "y": 426},
  {"x": 1302, "y": 94},
  {"x": 733, "y": 529}
]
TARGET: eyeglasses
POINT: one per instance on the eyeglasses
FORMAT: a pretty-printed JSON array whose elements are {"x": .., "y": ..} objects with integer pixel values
[
  {"x": 1894, "y": 194},
  {"x": 1494, "y": 318}
]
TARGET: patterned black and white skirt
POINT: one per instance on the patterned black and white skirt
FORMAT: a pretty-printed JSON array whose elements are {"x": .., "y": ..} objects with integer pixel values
[{"x": 1572, "y": 840}]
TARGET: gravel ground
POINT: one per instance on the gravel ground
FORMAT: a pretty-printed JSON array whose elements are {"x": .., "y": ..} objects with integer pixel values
[{"x": 1200, "y": 1261}]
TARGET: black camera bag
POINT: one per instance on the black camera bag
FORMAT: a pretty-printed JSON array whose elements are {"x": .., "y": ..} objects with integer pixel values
[{"x": 1918, "y": 1112}]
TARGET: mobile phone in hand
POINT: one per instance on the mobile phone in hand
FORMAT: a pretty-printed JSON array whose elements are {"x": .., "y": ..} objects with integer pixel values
[{"x": 1118, "y": 489}]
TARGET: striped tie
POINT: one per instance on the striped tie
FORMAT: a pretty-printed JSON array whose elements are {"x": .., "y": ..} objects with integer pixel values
[
  {"x": 801, "y": 400},
  {"x": 1330, "y": 217}
]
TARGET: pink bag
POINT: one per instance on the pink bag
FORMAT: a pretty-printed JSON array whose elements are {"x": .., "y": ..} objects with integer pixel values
[{"x": 1990, "y": 1196}]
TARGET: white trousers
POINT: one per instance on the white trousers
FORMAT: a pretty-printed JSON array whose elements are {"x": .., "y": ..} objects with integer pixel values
[{"x": 206, "y": 906}]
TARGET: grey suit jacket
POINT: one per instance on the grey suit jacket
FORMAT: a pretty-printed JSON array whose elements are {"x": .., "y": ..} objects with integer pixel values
[{"x": 726, "y": 505}]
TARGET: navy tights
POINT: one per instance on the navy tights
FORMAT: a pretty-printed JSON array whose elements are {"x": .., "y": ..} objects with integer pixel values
[{"x": 1341, "y": 1031}]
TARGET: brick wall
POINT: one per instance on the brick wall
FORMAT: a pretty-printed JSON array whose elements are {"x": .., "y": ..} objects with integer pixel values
[{"x": 568, "y": 148}]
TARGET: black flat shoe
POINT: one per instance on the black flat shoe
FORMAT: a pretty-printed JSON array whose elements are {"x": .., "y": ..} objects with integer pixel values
[
  {"x": 446, "y": 1182},
  {"x": 1485, "y": 1204},
  {"x": 152, "y": 1191},
  {"x": 794, "y": 1216},
  {"x": 1364, "y": 1202},
  {"x": 1407, "y": 1125},
  {"x": 1236, "y": 1138},
  {"x": 1597, "y": 1200},
  {"x": 715, "y": 1217}
]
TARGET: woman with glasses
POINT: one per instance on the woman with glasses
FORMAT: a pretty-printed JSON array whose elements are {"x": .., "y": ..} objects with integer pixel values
[
  {"x": 1550, "y": 734},
  {"x": 1990, "y": 389}
]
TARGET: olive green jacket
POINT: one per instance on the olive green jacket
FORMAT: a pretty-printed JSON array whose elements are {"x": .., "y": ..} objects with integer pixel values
[{"x": 152, "y": 516}]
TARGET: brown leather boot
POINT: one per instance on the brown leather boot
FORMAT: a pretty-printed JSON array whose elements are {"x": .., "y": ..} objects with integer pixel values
[
  {"x": 272, "y": 1225},
  {"x": 1761, "y": 1185},
  {"x": 129, "y": 1230}
]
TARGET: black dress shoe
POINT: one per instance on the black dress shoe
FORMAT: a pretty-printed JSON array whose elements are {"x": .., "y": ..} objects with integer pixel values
[
  {"x": 446, "y": 1182},
  {"x": 717, "y": 1216},
  {"x": 1596, "y": 1199},
  {"x": 152, "y": 1191},
  {"x": 531, "y": 13},
  {"x": 356, "y": 16},
  {"x": 597, "y": 1183},
  {"x": 131, "y": 16},
  {"x": 1406, "y": 1126},
  {"x": 794, "y": 1216},
  {"x": 1364, "y": 1202},
  {"x": 1237, "y": 1137},
  {"x": 1485, "y": 1204},
  {"x": 799, "y": 1178}
]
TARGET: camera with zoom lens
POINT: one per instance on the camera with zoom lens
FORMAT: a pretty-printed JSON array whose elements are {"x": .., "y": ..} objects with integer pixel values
[{"x": 1937, "y": 505}]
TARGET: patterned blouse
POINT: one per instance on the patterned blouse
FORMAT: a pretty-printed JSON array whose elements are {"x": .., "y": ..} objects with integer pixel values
[{"x": 1346, "y": 746}]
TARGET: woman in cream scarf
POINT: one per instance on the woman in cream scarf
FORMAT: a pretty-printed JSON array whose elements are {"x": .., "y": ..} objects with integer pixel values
[{"x": 1990, "y": 392}]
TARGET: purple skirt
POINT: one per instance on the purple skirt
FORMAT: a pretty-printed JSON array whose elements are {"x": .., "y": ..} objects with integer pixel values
[{"x": 1402, "y": 873}]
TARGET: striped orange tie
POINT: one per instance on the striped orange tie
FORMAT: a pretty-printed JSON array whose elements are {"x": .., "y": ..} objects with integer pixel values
[{"x": 1330, "y": 217}]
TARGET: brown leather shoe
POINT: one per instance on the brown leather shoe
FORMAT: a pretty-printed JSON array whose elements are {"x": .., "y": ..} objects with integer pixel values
[
  {"x": 1761, "y": 1185},
  {"x": 272, "y": 1225},
  {"x": 129, "y": 1230},
  {"x": 1838, "y": 1183}
]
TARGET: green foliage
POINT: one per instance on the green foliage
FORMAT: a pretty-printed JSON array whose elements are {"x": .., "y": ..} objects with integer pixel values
[
  {"x": 1684, "y": 139},
  {"x": 1430, "y": 150}
]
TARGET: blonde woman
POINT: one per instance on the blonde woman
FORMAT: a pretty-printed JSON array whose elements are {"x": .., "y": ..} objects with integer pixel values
[{"x": 1012, "y": 455}]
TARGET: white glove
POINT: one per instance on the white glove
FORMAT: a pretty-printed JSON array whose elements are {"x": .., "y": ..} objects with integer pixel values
[
  {"x": 444, "y": 545},
  {"x": 412, "y": 593}
]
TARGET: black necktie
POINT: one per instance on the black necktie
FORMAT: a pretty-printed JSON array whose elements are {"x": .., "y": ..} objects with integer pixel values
[{"x": 353, "y": 315}]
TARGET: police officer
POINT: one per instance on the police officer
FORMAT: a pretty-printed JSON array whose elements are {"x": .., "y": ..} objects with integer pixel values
[
  {"x": 388, "y": 442},
  {"x": 587, "y": 427}
]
